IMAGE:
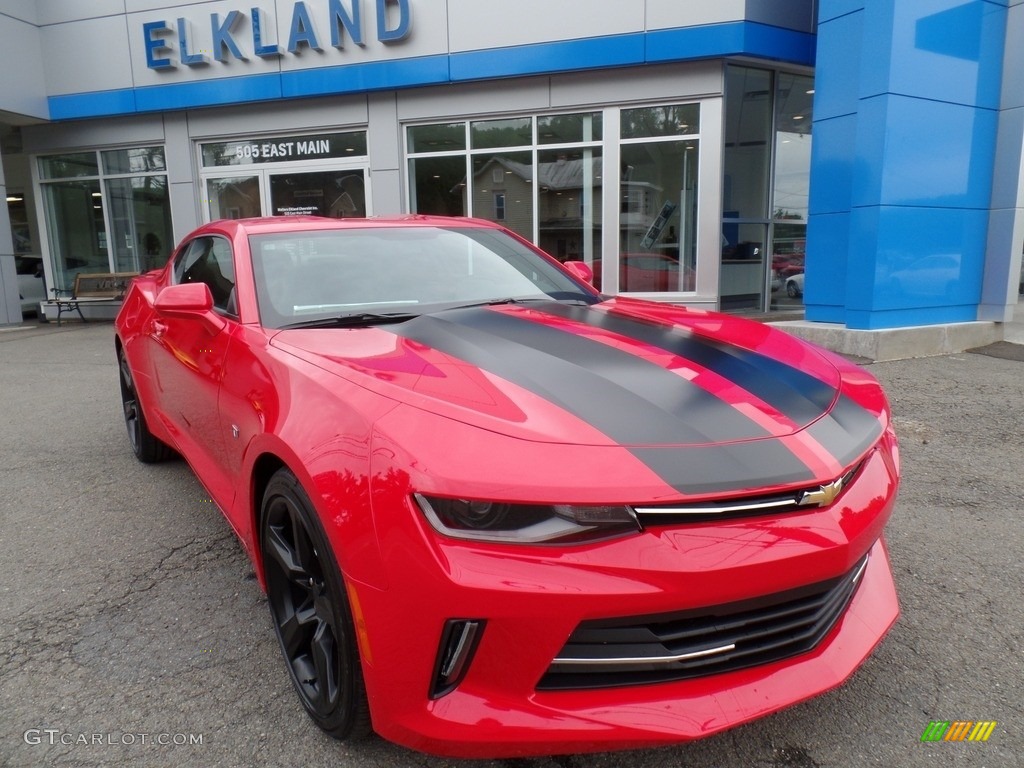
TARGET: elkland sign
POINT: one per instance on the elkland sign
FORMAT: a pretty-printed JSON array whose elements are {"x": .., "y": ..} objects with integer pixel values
[{"x": 237, "y": 35}]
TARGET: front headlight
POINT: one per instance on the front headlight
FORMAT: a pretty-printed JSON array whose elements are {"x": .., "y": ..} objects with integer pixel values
[{"x": 525, "y": 523}]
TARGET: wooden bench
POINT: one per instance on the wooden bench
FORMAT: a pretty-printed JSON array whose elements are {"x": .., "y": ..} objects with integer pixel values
[{"x": 92, "y": 288}]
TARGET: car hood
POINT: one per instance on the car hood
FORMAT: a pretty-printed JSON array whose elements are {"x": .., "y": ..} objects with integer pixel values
[{"x": 622, "y": 372}]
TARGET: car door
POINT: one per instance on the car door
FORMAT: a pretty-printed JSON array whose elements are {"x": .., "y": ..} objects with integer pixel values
[{"x": 188, "y": 355}]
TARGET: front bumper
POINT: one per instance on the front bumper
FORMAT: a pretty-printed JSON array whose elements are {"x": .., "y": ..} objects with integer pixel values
[{"x": 532, "y": 599}]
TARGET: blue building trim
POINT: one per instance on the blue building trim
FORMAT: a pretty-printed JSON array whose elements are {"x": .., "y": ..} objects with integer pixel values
[
  {"x": 905, "y": 132},
  {"x": 208, "y": 93},
  {"x": 742, "y": 38},
  {"x": 374, "y": 76},
  {"x": 93, "y": 104},
  {"x": 545, "y": 58}
]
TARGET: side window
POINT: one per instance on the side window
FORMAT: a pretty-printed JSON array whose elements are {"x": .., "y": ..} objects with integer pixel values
[{"x": 209, "y": 260}]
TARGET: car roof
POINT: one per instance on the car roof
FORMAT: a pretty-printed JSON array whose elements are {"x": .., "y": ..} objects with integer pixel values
[{"x": 274, "y": 224}]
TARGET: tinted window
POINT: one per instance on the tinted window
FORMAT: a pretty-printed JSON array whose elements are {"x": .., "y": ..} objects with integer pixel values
[{"x": 209, "y": 260}]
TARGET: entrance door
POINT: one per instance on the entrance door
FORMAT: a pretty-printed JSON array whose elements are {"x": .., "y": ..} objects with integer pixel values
[{"x": 337, "y": 193}]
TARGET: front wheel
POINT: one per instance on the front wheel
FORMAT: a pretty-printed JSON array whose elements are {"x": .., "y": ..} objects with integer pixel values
[
  {"x": 310, "y": 611},
  {"x": 147, "y": 448}
]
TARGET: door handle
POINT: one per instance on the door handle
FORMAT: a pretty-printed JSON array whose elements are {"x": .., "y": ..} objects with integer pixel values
[{"x": 159, "y": 328}]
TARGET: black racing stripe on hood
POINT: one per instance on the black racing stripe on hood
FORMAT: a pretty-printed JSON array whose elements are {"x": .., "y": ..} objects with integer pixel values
[
  {"x": 629, "y": 399},
  {"x": 725, "y": 468},
  {"x": 794, "y": 393},
  {"x": 847, "y": 431}
]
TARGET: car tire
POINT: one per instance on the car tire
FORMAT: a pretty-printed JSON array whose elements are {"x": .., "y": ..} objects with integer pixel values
[
  {"x": 791, "y": 290},
  {"x": 147, "y": 448},
  {"x": 310, "y": 611}
]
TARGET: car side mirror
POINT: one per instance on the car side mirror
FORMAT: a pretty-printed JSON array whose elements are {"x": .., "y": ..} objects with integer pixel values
[
  {"x": 189, "y": 300},
  {"x": 580, "y": 270}
]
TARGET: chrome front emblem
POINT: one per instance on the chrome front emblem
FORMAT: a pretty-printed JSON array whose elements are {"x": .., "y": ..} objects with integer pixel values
[{"x": 824, "y": 496}]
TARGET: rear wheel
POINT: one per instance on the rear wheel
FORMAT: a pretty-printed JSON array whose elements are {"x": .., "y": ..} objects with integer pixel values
[
  {"x": 145, "y": 446},
  {"x": 310, "y": 611}
]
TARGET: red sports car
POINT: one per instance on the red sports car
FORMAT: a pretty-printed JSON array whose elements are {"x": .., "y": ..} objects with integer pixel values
[{"x": 497, "y": 513}]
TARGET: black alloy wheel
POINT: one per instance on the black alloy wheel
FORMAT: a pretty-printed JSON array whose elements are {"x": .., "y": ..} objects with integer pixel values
[
  {"x": 310, "y": 611},
  {"x": 145, "y": 446}
]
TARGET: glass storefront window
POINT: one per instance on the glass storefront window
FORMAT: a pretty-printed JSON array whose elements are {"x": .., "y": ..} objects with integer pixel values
[
  {"x": 78, "y": 235},
  {"x": 489, "y": 134},
  {"x": 438, "y": 185},
  {"x": 745, "y": 186},
  {"x": 569, "y": 203},
  {"x": 234, "y": 197},
  {"x": 68, "y": 166},
  {"x": 657, "y": 223},
  {"x": 139, "y": 160},
  {"x": 106, "y": 211},
  {"x": 504, "y": 179},
  {"x": 569, "y": 129},
  {"x": 445, "y": 137},
  {"x": 651, "y": 122},
  {"x": 794, "y": 101},
  {"x": 545, "y": 177},
  {"x": 140, "y": 221}
]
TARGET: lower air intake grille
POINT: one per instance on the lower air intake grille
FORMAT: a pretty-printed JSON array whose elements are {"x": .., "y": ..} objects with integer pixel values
[{"x": 708, "y": 641}]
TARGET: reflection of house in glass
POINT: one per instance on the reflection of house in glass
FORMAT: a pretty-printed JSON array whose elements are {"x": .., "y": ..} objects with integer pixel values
[
  {"x": 234, "y": 198},
  {"x": 568, "y": 200}
]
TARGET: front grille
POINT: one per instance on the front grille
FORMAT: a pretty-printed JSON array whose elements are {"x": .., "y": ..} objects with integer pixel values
[
  {"x": 707, "y": 641},
  {"x": 747, "y": 506}
]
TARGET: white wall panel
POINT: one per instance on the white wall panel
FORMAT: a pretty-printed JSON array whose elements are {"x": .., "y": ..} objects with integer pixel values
[
  {"x": 475, "y": 25},
  {"x": 59, "y": 137},
  {"x": 20, "y": 10},
  {"x": 475, "y": 98},
  {"x": 23, "y": 85},
  {"x": 385, "y": 139},
  {"x": 260, "y": 119},
  {"x": 630, "y": 85},
  {"x": 663, "y": 14},
  {"x": 60, "y": 11},
  {"x": 86, "y": 56}
]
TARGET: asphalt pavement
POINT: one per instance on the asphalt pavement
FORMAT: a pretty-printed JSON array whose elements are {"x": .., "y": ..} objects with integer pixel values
[{"x": 133, "y": 632}]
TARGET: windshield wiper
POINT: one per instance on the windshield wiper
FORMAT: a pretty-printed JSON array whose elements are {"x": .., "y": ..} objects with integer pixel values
[
  {"x": 353, "y": 320},
  {"x": 563, "y": 297}
]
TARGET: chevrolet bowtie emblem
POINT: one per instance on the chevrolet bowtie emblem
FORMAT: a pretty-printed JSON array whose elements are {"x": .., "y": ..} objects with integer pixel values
[{"x": 824, "y": 496}]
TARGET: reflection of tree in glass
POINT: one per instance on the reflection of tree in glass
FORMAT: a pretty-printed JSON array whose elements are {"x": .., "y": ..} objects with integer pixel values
[
  {"x": 660, "y": 121},
  {"x": 502, "y": 133},
  {"x": 569, "y": 128}
]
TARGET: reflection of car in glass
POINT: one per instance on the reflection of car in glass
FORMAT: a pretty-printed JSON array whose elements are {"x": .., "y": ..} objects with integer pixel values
[
  {"x": 795, "y": 286},
  {"x": 787, "y": 264},
  {"x": 497, "y": 514},
  {"x": 31, "y": 287},
  {"x": 639, "y": 272}
]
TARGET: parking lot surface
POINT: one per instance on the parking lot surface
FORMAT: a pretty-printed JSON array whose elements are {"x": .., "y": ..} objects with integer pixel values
[{"x": 133, "y": 631}]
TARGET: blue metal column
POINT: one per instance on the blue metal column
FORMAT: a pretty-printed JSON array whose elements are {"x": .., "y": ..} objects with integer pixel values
[{"x": 905, "y": 123}]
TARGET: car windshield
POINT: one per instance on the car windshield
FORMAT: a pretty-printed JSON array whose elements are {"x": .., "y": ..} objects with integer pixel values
[{"x": 374, "y": 272}]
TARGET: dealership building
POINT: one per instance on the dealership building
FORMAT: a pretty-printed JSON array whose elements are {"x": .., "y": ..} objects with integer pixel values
[{"x": 858, "y": 163}]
